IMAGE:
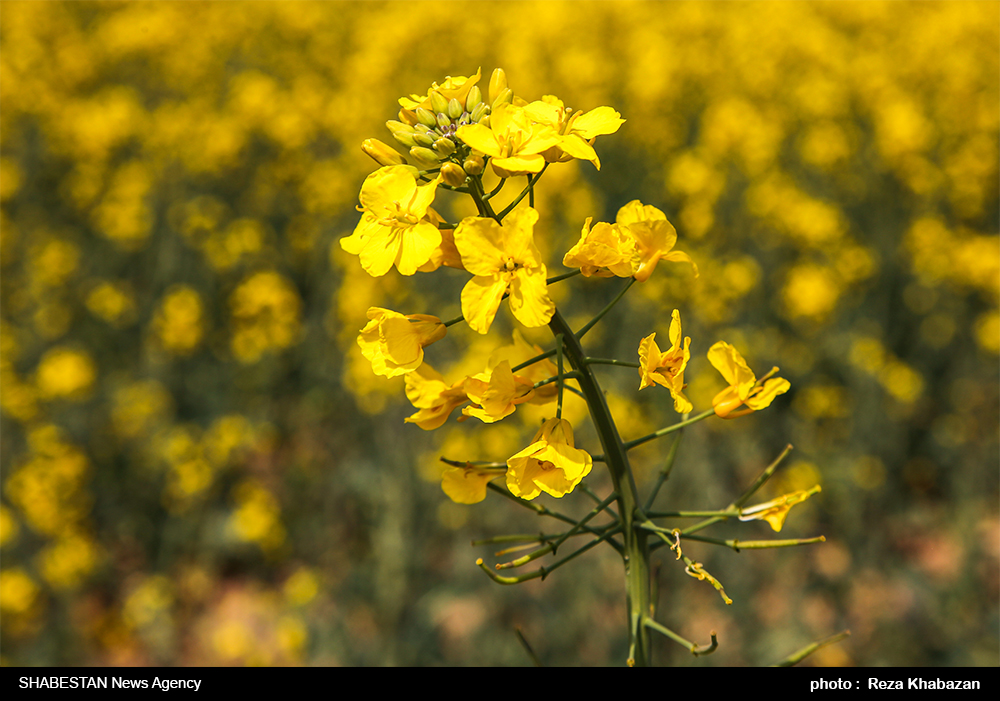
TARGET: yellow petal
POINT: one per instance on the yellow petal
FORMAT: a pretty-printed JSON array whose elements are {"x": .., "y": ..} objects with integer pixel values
[
  {"x": 766, "y": 394},
  {"x": 480, "y": 242},
  {"x": 481, "y": 298},
  {"x": 596, "y": 122},
  {"x": 529, "y": 297},
  {"x": 467, "y": 485}
]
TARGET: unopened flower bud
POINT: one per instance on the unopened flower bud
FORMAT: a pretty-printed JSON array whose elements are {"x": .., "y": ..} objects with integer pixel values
[
  {"x": 506, "y": 96},
  {"x": 424, "y": 155},
  {"x": 444, "y": 146},
  {"x": 442, "y": 121},
  {"x": 478, "y": 112},
  {"x": 474, "y": 165},
  {"x": 405, "y": 138},
  {"x": 439, "y": 103},
  {"x": 408, "y": 117},
  {"x": 393, "y": 126},
  {"x": 498, "y": 83},
  {"x": 474, "y": 98},
  {"x": 426, "y": 117},
  {"x": 423, "y": 139},
  {"x": 455, "y": 108},
  {"x": 453, "y": 174},
  {"x": 382, "y": 153}
]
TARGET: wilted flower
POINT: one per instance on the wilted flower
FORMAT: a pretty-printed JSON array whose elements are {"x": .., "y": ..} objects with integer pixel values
[
  {"x": 550, "y": 464},
  {"x": 744, "y": 387},
  {"x": 666, "y": 369}
]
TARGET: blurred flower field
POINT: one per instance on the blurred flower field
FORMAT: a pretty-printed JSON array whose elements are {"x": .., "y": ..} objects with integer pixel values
[{"x": 200, "y": 467}]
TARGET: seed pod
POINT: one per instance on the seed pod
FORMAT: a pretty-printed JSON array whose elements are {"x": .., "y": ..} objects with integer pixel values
[
  {"x": 475, "y": 97},
  {"x": 474, "y": 165},
  {"x": 453, "y": 174},
  {"x": 383, "y": 154},
  {"x": 426, "y": 117}
]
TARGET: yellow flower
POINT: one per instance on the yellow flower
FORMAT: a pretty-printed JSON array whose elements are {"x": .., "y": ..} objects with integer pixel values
[
  {"x": 776, "y": 510},
  {"x": 394, "y": 229},
  {"x": 512, "y": 141},
  {"x": 603, "y": 251},
  {"x": 666, "y": 369},
  {"x": 467, "y": 485},
  {"x": 394, "y": 344},
  {"x": 576, "y": 129},
  {"x": 446, "y": 253},
  {"x": 427, "y": 391},
  {"x": 456, "y": 87},
  {"x": 520, "y": 351},
  {"x": 654, "y": 237},
  {"x": 550, "y": 464},
  {"x": 744, "y": 387},
  {"x": 503, "y": 258},
  {"x": 497, "y": 393}
]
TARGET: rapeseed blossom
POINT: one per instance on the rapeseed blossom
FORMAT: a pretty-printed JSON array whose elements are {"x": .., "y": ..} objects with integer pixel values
[
  {"x": 744, "y": 387},
  {"x": 394, "y": 344},
  {"x": 497, "y": 393},
  {"x": 435, "y": 400},
  {"x": 551, "y": 464},
  {"x": 603, "y": 251},
  {"x": 513, "y": 141},
  {"x": 467, "y": 485},
  {"x": 654, "y": 237},
  {"x": 576, "y": 130},
  {"x": 776, "y": 510},
  {"x": 666, "y": 369}
]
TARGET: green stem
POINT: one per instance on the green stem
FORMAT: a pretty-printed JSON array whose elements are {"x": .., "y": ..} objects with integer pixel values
[
  {"x": 531, "y": 183},
  {"x": 669, "y": 429},
  {"x": 600, "y": 314},
  {"x": 636, "y": 547},
  {"x": 611, "y": 361},
  {"x": 664, "y": 473}
]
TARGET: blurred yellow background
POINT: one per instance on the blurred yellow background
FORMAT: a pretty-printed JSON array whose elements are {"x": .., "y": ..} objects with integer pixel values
[{"x": 199, "y": 467}]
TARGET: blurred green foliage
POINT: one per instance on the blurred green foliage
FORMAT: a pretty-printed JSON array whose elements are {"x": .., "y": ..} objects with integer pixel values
[{"x": 199, "y": 467}]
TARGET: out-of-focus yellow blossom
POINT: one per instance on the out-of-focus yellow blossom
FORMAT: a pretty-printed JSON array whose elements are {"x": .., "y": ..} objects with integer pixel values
[
  {"x": 521, "y": 351},
  {"x": 394, "y": 344},
  {"x": 64, "y": 373},
  {"x": 257, "y": 518},
  {"x": 744, "y": 387},
  {"x": 139, "y": 406},
  {"x": 776, "y": 510},
  {"x": 503, "y": 258},
  {"x": 302, "y": 587},
  {"x": 513, "y": 141},
  {"x": 266, "y": 311},
  {"x": 603, "y": 251},
  {"x": 576, "y": 129},
  {"x": 178, "y": 322},
  {"x": 497, "y": 393},
  {"x": 18, "y": 591},
  {"x": 8, "y": 526},
  {"x": 666, "y": 369},
  {"x": 654, "y": 237},
  {"x": 394, "y": 229},
  {"x": 427, "y": 391},
  {"x": 111, "y": 302},
  {"x": 467, "y": 485},
  {"x": 551, "y": 464},
  {"x": 66, "y": 563}
]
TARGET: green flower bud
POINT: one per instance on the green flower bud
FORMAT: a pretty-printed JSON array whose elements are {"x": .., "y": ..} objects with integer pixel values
[
  {"x": 506, "y": 96},
  {"x": 479, "y": 111},
  {"x": 423, "y": 139},
  {"x": 383, "y": 153},
  {"x": 474, "y": 165},
  {"x": 444, "y": 146},
  {"x": 498, "y": 83},
  {"x": 442, "y": 121},
  {"x": 424, "y": 155},
  {"x": 405, "y": 138},
  {"x": 439, "y": 103},
  {"x": 474, "y": 98},
  {"x": 455, "y": 108},
  {"x": 485, "y": 121},
  {"x": 426, "y": 117},
  {"x": 394, "y": 126},
  {"x": 453, "y": 174}
]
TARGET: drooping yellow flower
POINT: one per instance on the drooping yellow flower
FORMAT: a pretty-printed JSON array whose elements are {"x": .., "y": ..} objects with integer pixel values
[
  {"x": 603, "y": 251},
  {"x": 394, "y": 228},
  {"x": 550, "y": 464},
  {"x": 428, "y": 392},
  {"x": 576, "y": 129},
  {"x": 521, "y": 351},
  {"x": 394, "y": 344},
  {"x": 497, "y": 393},
  {"x": 776, "y": 510},
  {"x": 744, "y": 387},
  {"x": 666, "y": 369},
  {"x": 467, "y": 485},
  {"x": 654, "y": 237},
  {"x": 513, "y": 141},
  {"x": 503, "y": 258}
]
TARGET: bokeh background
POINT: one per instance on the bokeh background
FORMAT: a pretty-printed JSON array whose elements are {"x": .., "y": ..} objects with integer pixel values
[{"x": 199, "y": 467}]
